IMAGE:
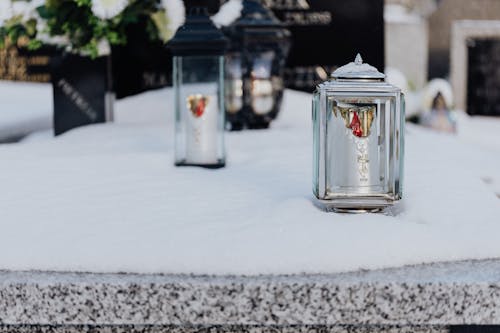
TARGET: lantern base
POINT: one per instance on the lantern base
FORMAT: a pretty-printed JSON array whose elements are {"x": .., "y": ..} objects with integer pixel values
[
  {"x": 234, "y": 126},
  {"x": 207, "y": 166},
  {"x": 357, "y": 210},
  {"x": 356, "y": 205}
]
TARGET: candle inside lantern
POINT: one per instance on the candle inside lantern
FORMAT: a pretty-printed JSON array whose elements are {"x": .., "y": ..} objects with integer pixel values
[
  {"x": 355, "y": 138},
  {"x": 201, "y": 114}
]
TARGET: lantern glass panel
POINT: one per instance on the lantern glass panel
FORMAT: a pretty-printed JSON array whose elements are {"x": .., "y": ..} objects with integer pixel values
[{"x": 199, "y": 116}]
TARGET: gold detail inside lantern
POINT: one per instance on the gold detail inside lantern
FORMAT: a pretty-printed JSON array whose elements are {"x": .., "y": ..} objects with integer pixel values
[{"x": 357, "y": 118}]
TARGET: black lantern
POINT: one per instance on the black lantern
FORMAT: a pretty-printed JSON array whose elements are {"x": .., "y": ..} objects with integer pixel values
[
  {"x": 259, "y": 45},
  {"x": 198, "y": 48}
]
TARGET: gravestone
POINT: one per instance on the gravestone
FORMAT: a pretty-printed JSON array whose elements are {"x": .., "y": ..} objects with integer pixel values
[
  {"x": 82, "y": 91},
  {"x": 468, "y": 36},
  {"x": 483, "y": 77},
  {"x": 327, "y": 34},
  {"x": 141, "y": 65}
]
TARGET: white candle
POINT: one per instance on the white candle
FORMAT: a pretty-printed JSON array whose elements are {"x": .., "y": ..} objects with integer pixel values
[{"x": 202, "y": 117}]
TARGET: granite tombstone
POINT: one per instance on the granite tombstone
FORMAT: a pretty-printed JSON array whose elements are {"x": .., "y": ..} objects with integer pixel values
[
  {"x": 483, "y": 77},
  {"x": 141, "y": 64},
  {"x": 327, "y": 34},
  {"x": 474, "y": 64}
]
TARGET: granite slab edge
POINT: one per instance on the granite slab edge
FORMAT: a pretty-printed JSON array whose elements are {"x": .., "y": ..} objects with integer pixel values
[
  {"x": 462, "y": 293},
  {"x": 220, "y": 329}
]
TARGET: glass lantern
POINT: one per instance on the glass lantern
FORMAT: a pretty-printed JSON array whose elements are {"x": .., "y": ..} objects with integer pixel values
[
  {"x": 198, "y": 48},
  {"x": 358, "y": 140},
  {"x": 255, "y": 66}
]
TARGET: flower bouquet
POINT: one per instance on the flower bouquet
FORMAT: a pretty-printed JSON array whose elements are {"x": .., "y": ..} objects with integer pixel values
[
  {"x": 87, "y": 32},
  {"x": 87, "y": 27}
]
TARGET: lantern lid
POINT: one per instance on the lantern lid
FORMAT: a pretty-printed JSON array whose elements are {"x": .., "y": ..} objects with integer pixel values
[
  {"x": 257, "y": 25},
  {"x": 198, "y": 36},
  {"x": 254, "y": 14},
  {"x": 357, "y": 70}
]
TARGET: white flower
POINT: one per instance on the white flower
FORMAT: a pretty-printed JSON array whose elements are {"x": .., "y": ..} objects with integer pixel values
[
  {"x": 52, "y": 40},
  {"x": 5, "y": 11},
  {"x": 228, "y": 13},
  {"x": 103, "y": 48},
  {"x": 176, "y": 14},
  {"x": 107, "y": 9},
  {"x": 34, "y": 4},
  {"x": 21, "y": 10}
]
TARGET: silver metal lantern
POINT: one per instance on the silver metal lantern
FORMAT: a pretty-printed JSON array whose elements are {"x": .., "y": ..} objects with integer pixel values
[
  {"x": 198, "y": 48},
  {"x": 358, "y": 125}
]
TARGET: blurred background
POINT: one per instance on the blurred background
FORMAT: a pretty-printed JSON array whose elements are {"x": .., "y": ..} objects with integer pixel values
[{"x": 444, "y": 54}]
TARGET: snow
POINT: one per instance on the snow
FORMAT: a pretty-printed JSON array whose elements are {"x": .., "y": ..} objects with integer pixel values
[
  {"x": 396, "y": 13},
  {"x": 176, "y": 13},
  {"x": 434, "y": 87},
  {"x": 228, "y": 13},
  {"x": 107, "y": 198},
  {"x": 24, "y": 108}
]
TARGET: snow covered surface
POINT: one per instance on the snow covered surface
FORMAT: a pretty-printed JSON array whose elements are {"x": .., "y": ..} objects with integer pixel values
[
  {"x": 107, "y": 198},
  {"x": 24, "y": 108}
]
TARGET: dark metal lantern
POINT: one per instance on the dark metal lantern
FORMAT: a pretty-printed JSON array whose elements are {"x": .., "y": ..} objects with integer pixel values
[
  {"x": 198, "y": 48},
  {"x": 259, "y": 45},
  {"x": 198, "y": 36}
]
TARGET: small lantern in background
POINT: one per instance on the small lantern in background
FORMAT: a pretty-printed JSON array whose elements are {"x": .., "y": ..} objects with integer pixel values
[
  {"x": 254, "y": 67},
  {"x": 358, "y": 126},
  {"x": 198, "y": 48}
]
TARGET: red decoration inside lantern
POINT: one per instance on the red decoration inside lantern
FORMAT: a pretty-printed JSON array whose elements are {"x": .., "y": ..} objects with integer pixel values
[
  {"x": 356, "y": 126},
  {"x": 200, "y": 107}
]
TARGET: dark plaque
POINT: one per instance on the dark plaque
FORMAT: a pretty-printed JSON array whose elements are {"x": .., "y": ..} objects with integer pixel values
[
  {"x": 81, "y": 91},
  {"x": 327, "y": 34},
  {"x": 483, "y": 77}
]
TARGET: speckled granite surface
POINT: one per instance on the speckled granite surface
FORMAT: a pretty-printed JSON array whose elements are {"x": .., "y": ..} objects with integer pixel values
[
  {"x": 439, "y": 294},
  {"x": 219, "y": 329}
]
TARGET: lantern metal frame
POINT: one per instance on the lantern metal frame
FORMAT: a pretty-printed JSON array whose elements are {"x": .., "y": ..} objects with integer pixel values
[{"x": 358, "y": 140}]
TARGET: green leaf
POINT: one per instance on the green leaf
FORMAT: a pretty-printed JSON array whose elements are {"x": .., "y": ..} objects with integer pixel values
[
  {"x": 34, "y": 44},
  {"x": 43, "y": 12}
]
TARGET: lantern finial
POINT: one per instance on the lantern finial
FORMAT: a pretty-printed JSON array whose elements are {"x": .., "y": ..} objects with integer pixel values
[{"x": 358, "y": 60}]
